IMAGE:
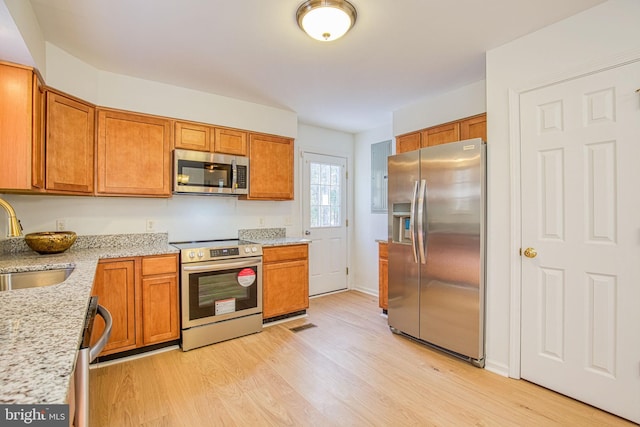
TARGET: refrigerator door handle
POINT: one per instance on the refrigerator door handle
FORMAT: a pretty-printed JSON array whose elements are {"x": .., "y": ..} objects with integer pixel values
[
  {"x": 421, "y": 226},
  {"x": 412, "y": 222}
]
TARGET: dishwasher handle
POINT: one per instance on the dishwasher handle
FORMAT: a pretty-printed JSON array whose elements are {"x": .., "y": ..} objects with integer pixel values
[{"x": 95, "y": 350}]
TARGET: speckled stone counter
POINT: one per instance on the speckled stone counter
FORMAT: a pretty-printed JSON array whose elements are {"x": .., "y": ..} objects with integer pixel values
[
  {"x": 41, "y": 328},
  {"x": 270, "y": 237}
]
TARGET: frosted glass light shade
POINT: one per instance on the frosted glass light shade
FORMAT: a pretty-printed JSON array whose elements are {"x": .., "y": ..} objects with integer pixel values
[{"x": 326, "y": 20}]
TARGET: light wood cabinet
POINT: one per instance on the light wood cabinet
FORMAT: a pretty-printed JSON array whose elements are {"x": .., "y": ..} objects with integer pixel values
[
  {"x": 70, "y": 140},
  {"x": 441, "y": 134},
  {"x": 474, "y": 127},
  {"x": 201, "y": 137},
  {"x": 20, "y": 110},
  {"x": 160, "y": 321},
  {"x": 270, "y": 167},
  {"x": 115, "y": 286},
  {"x": 383, "y": 275},
  {"x": 192, "y": 136},
  {"x": 408, "y": 142},
  {"x": 230, "y": 141},
  {"x": 467, "y": 128},
  {"x": 285, "y": 280},
  {"x": 133, "y": 154},
  {"x": 141, "y": 293}
]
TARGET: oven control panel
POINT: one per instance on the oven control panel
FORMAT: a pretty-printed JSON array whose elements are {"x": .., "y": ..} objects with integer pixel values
[
  {"x": 200, "y": 251},
  {"x": 224, "y": 252}
]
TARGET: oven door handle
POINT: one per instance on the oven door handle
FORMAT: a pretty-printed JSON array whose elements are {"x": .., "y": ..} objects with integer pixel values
[{"x": 221, "y": 266}]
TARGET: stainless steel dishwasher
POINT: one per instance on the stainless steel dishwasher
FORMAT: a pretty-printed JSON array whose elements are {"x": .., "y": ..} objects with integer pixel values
[{"x": 86, "y": 355}]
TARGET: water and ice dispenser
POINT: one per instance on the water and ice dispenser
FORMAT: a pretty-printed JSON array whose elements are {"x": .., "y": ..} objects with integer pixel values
[{"x": 401, "y": 223}]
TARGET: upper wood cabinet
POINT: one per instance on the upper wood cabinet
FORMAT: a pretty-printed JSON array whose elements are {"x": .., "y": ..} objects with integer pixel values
[
  {"x": 230, "y": 141},
  {"x": 470, "y": 127},
  {"x": 192, "y": 136},
  {"x": 441, "y": 134},
  {"x": 270, "y": 167},
  {"x": 70, "y": 139},
  {"x": 20, "y": 116},
  {"x": 133, "y": 154},
  {"x": 201, "y": 137},
  {"x": 408, "y": 142},
  {"x": 474, "y": 127}
]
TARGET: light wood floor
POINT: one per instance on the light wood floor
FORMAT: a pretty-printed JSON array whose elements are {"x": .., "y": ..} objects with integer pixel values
[{"x": 349, "y": 370}]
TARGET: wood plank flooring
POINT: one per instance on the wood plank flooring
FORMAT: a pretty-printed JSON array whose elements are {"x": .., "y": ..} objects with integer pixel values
[{"x": 348, "y": 370}]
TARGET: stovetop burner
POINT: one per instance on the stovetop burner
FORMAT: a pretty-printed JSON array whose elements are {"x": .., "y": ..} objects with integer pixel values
[{"x": 206, "y": 250}]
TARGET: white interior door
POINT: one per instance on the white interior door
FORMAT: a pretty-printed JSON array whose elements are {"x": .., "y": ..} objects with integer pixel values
[
  {"x": 580, "y": 168},
  {"x": 324, "y": 221}
]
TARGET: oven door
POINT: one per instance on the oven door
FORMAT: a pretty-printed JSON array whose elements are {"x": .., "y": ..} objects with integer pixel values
[{"x": 214, "y": 291}]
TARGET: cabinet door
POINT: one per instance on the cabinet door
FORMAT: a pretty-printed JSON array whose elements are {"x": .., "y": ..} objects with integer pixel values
[
  {"x": 133, "y": 154},
  {"x": 115, "y": 287},
  {"x": 69, "y": 144},
  {"x": 16, "y": 97},
  {"x": 408, "y": 142},
  {"x": 383, "y": 276},
  {"x": 441, "y": 134},
  {"x": 474, "y": 127},
  {"x": 285, "y": 288},
  {"x": 230, "y": 141},
  {"x": 160, "y": 309},
  {"x": 270, "y": 167},
  {"x": 191, "y": 136}
]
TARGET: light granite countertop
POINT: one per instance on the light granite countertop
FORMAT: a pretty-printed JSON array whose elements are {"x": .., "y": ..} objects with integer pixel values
[
  {"x": 270, "y": 237},
  {"x": 281, "y": 241},
  {"x": 41, "y": 328}
]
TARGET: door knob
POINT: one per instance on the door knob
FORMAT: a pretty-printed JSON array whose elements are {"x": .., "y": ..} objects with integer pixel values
[
  {"x": 307, "y": 232},
  {"x": 530, "y": 253}
]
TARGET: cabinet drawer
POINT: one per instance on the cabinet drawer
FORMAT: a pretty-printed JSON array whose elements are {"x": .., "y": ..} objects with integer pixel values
[
  {"x": 161, "y": 264},
  {"x": 282, "y": 253}
]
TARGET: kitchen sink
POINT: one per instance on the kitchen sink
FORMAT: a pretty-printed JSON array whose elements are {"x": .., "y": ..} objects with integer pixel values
[{"x": 33, "y": 279}]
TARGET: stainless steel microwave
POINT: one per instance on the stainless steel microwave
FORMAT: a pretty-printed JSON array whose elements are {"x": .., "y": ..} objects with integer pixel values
[{"x": 199, "y": 172}]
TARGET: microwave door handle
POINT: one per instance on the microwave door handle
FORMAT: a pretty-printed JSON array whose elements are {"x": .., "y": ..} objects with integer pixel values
[{"x": 234, "y": 175}]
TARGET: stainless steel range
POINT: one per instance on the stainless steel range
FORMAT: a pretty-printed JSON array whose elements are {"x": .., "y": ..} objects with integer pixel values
[{"x": 221, "y": 290}]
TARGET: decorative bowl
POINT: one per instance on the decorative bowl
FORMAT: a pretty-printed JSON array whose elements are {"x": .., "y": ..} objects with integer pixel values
[{"x": 50, "y": 242}]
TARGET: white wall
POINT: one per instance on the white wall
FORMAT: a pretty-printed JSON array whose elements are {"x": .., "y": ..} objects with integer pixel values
[
  {"x": 21, "y": 40},
  {"x": 463, "y": 102},
  {"x": 604, "y": 34},
  {"x": 367, "y": 227},
  {"x": 70, "y": 74}
]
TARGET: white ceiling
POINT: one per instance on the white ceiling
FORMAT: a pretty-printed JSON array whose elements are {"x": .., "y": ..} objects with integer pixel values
[{"x": 399, "y": 51}]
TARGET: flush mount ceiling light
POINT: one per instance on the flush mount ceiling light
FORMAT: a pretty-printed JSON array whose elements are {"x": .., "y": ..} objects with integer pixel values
[{"x": 326, "y": 20}]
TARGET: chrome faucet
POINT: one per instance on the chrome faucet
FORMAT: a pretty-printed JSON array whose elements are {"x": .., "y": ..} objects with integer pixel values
[{"x": 15, "y": 228}]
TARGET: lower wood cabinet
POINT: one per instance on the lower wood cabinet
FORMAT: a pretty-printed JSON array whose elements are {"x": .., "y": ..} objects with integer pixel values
[
  {"x": 383, "y": 275},
  {"x": 141, "y": 293},
  {"x": 285, "y": 280}
]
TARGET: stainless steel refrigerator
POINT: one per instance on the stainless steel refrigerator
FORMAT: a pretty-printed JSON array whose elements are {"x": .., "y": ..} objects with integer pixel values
[{"x": 437, "y": 211}]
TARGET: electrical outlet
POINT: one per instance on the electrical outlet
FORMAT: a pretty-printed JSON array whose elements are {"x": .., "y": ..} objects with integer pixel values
[
  {"x": 288, "y": 221},
  {"x": 261, "y": 221},
  {"x": 61, "y": 224},
  {"x": 151, "y": 226}
]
